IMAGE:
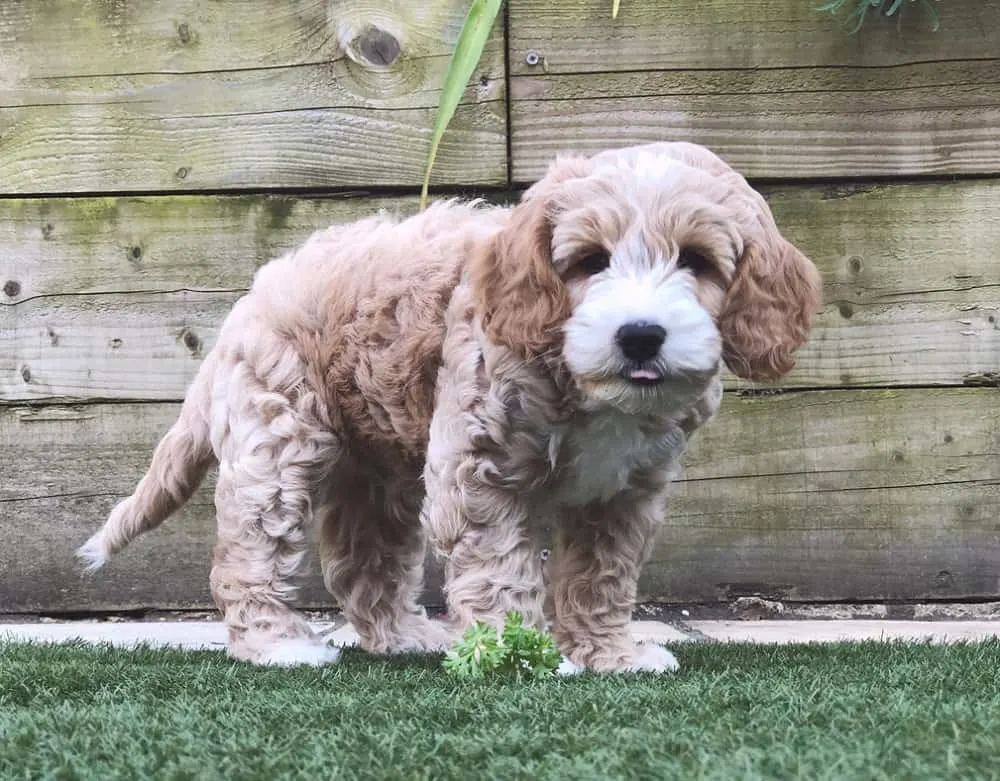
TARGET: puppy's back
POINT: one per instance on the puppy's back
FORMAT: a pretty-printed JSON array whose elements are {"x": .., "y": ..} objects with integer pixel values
[{"x": 363, "y": 305}]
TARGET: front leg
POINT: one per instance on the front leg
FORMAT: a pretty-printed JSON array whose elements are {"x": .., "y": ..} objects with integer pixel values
[
  {"x": 595, "y": 572},
  {"x": 489, "y": 456},
  {"x": 491, "y": 563}
]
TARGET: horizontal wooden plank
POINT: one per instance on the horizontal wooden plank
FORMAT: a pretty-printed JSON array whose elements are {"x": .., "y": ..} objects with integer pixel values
[
  {"x": 58, "y": 246},
  {"x": 911, "y": 285},
  {"x": 184, "y": 96},
  {"x": 131, "y": 346},
  {"x": 867, "y": 494},
  {"x": 119, "y": 298},
  {"x": 579, "y": 36},
  {"x": 148, "y": 345},
  {"x": 839, "y": 495},
  {"x": 777, "y": 88}
]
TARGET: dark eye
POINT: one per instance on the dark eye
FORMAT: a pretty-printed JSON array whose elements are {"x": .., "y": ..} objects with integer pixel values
[
  {"x": 694, "y": 261},
  {"x": 595, "y": 262}
]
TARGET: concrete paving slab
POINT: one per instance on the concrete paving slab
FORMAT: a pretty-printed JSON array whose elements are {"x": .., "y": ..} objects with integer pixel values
[
  {"x": 212, "y": 634},
  {"x": 188, "y": 635},
  {"x": 833, "y": 631}
]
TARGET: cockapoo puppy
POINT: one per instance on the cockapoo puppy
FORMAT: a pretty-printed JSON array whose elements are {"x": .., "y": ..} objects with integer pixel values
[{"x": 468, "y": 376}]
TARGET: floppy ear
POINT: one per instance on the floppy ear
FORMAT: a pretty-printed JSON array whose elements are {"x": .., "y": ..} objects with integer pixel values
[
  {"x": 769, "y": 307},
  {"x": 519, "y": 298}
]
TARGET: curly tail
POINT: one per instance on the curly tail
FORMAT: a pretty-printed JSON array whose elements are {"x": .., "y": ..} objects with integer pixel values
[{"x": 179, "y": 464}]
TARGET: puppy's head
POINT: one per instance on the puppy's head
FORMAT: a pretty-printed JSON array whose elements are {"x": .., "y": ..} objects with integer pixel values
[{"x": 641, "y": 269}]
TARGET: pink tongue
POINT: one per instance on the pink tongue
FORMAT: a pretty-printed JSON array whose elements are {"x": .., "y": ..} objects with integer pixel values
[{"x": 643, "y": 374}]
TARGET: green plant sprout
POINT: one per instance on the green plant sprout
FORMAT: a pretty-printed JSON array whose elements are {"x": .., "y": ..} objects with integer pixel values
[
  {"x": 468, "y": 50},
  {"x": 887, "y": 7},
  {"x": 514, "y": 652}
]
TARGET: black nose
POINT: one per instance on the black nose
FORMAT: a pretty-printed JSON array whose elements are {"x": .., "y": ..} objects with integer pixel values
[{"x": 640, "y": 341}]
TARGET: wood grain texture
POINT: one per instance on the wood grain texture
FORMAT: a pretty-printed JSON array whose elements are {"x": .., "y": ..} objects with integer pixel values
[
  {"x": 98, "y": 96},
  {"x": 579, "y": 36},
  {"x": 911, "y": 283},
  {"x": 838, "y": 495},
  {"x": 119, "y": 298},
  {"x": 777, "y": 88},
  {"x": 810, "y": 495}
]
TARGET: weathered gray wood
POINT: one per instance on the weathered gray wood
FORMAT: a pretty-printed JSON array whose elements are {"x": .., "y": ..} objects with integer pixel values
[
  {"x": 779, "y": 89},
  {"x": 184, "y": 95},
  {"x": 119, "y": 298},
  {"x": 111, "y": 346},
  {"x": 579, "y": 36},
  {"x": 58, "y": 246},
  {"x": 809, "y": 495},
  {"x": 911, "y": 281},
  {"x": 838, "y": 495}
]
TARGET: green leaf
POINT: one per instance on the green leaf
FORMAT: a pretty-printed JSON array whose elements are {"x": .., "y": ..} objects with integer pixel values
[
  {"x": 468, "y": 49},
  {"x": 476, "y": 654},
  {"x": 518, "y": 652},
  {"x": 885, "y": 7}
]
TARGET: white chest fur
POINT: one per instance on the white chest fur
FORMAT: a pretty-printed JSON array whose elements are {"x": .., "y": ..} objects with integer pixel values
[{"x": 598, "y": 454}]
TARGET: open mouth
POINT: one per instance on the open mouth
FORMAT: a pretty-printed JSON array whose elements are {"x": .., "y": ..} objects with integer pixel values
[{"x": 643, "y": 376}]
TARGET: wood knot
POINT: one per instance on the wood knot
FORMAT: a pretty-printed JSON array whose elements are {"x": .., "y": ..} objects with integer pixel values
[
  {"x": 47, "y": 231},
  {"x": 372, "y": 46},
  {"x": 135, "y": 253},
  {"x": 12, "y": 288},
  {"x": 944, "y": 580},
  {"x": 184, "y": 33},
  {"x": 26, "y": 374},
  {"x": 191, "y": 341}
]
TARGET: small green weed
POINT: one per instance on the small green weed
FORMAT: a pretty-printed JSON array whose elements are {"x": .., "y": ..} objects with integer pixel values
[
  {"x": 517, "y": 651},
  {"x": 886, "y": 7}
]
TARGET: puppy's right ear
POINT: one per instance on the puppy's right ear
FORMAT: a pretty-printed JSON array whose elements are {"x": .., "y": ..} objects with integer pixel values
[{"x": 519, "y": 298}]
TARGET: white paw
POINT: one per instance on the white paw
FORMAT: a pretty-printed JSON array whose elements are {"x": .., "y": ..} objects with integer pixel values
[
  {"x": 566, "y": 667},
  {"x": 649, "y": 657},
  {"x": 291, "y": 653}
]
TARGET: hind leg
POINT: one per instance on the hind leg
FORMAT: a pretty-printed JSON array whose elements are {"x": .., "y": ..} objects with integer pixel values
[
  {"x": 372, "y": 552},
  {"x": 267, "y": 480}
]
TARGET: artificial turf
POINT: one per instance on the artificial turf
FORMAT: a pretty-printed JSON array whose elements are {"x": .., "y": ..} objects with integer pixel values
[{"x": 844, "y": 711}]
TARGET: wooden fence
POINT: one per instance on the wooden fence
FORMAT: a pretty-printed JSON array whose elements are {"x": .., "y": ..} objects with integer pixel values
[{"x": 153, "y": 153}]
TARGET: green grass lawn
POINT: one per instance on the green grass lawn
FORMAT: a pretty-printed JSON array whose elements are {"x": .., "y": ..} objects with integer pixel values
[{"x": 846, "y": 711}]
